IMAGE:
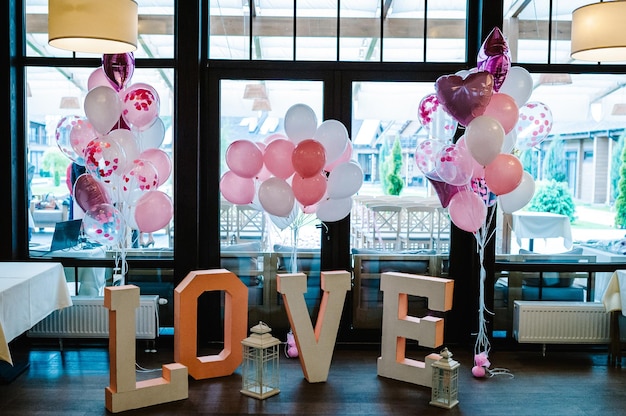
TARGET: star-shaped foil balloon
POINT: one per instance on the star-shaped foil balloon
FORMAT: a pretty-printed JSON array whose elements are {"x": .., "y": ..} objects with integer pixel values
[{"x": 494, "y": 57}]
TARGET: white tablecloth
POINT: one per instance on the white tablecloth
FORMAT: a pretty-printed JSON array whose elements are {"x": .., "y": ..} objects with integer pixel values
[
  {"x": 542, "y": 225},
  {"x": 91, "y": 279},
  {"x": 615, "y": 292},
  {"x": 28, "y": 293}
]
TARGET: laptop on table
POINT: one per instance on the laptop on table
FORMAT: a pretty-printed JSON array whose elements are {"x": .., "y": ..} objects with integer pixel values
[{"x": 66, "y": 235}]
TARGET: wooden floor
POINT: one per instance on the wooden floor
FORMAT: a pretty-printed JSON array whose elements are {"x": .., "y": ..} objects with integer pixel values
[{"x": 564, "y": 382}]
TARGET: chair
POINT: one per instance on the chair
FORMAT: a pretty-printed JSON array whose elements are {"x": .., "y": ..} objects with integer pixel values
[
  {"x": 419, "y": 226},
  {"x": 226, "y": 222},
  {"x": 250, "y": 224},
  {"x": 442, "y": 230},
  {"x": 384, "y": 227}
]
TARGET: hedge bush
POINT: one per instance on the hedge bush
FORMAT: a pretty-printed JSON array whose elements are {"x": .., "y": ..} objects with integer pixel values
[{"x": 553, "y": 196}]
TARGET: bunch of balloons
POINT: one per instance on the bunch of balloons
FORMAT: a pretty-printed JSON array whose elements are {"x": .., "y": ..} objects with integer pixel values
[
  {"x": 118, "y": 144},
  {"x": 308, "y": 169},
  {"x": 491, "y": 102}
]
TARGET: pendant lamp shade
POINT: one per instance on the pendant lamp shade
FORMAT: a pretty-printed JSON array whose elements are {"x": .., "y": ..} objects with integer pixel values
[
  {"x": 93, "y": 26},
  {"x": 598, "y": 33}
]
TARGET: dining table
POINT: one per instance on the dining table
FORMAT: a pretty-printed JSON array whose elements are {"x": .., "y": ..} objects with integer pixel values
[
  {"x": 531, "y": 225},
  {"x": 29, "y": 291}
]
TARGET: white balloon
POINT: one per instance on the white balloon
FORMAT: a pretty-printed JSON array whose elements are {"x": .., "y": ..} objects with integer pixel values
[
  {"x": 518, "y": 84},
  {"x": 126, "y": 139},
  {"x": 345, "y": 180},
  {"x": 286, "y": 221},
  {"x": 300, "y": 123},
  {"x": 103, "y": 108},
  {"x": 331, "y": 210},
  {"x": 509, "y": 142},
  {"x": 276, "y": 197},
  {"x": 333, "y": 135},
  {"x": 520, "y": 196},
  {"x": 152, "y": 137},
  {"x": 484, "y": 136}
]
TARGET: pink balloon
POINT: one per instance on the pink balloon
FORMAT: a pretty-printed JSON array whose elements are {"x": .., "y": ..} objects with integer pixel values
[
  {"x": 161, "y": 162},
  {"x": 345, "y": 157},
  {"x": 140, "y": 179},
  {"x": 504, "y": 174},
  {"x": 276, "y": 197},
  {"x": 478, "y": 371},
  {"x": 140, "y": 105},
  {"x": 89, "y": 192},
  {"x": 503, "y": 108},
  {"x": 308, "y": 158},
  {"x": 494, "y": 57},
  {"x": 81, "y": 134},
  {"x": 244, "y": 158},
  {"x": 465, "y": 99},
  {"x": 263, "y": 173},
  {"x": 153, "y": 212},
  {"x": 103, "y": 223},
  {"x": 277, "y": 157},
  {"x": 309, "y": 191},
  {"x": 236, "y": 189},
  {"x": 518, "y": 197},
  {"x": 274, "y": 136},
  {"x": 454, "y": 164},
  {"x": 98, "y": 79},
  {"x": 310, "y": 209},
  {"x": 119, "y": 68},
  {"x": 534, "y": 125},
  {"x": 467, "y": 210}
]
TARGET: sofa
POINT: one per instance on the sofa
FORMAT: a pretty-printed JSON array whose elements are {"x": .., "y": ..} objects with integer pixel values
[
  {"x": 553, "y": 286},
  {"x": 369, "y": 264},
  {"x": 45, "y": 214}
]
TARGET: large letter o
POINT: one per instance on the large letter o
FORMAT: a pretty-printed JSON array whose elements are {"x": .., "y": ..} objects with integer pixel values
[{"x": 186, "y": 316}]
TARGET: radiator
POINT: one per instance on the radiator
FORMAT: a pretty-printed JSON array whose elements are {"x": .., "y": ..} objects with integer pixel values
[
  {"x": 548, "y": 322},
  {"x": 88, "y": 318}
]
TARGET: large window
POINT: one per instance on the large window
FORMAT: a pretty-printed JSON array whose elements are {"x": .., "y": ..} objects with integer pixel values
[
  {"x": 56, "y": 97},
  {"x": 347, "y": 30},
  {"x": 57, "y": 92}
]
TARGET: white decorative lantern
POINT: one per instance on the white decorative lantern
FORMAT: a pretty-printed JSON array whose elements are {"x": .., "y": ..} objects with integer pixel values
[
  {"x": 445, "y": 390},
  {"x": 260, "y": 376}
]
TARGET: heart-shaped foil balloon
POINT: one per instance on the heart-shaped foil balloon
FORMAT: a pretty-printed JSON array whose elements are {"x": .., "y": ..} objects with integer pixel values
[{"x": 465, "y": 99}]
